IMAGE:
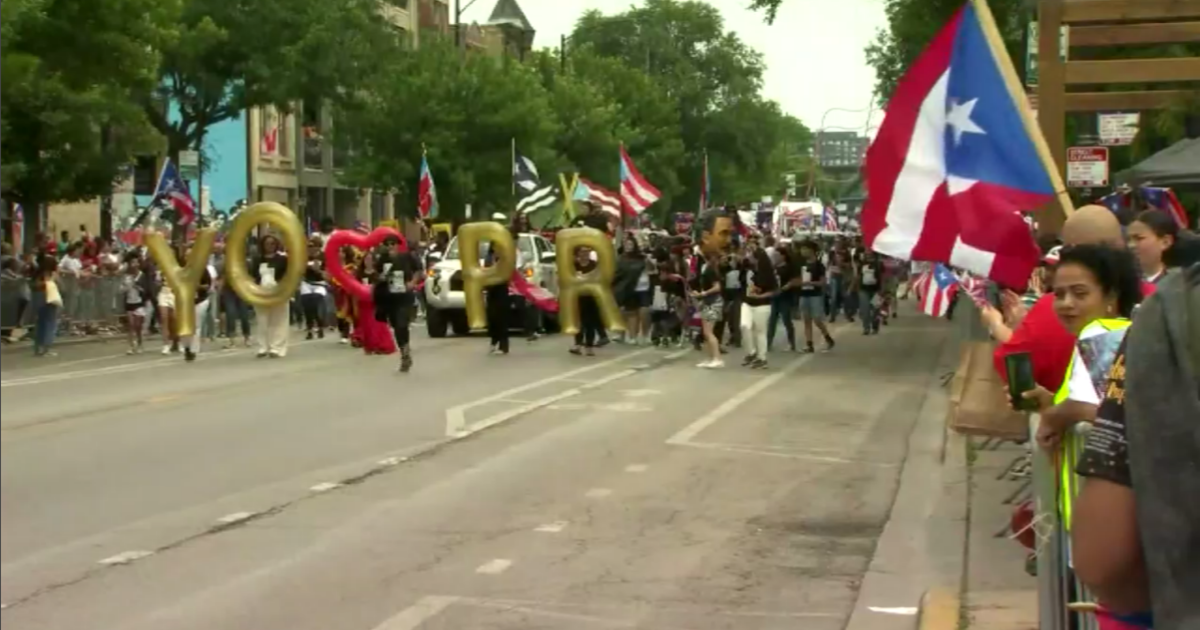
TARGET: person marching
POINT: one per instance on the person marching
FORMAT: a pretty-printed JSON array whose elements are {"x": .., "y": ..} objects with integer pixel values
[
  {"x": 401, "y": 271},
  {"x": 272, "y": 321}
]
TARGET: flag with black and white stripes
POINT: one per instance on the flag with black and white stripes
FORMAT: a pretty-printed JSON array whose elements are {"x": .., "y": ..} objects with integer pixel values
[
  {"x": 525, "y": 174},
  {"x": 537, "y": 199}
]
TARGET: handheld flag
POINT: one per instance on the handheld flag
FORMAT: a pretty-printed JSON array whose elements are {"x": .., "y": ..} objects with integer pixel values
[
  {"x": 426, "y": 192},
  {"x": 637, "y": 193},
  {"x": 705, "y": 186},
  {"x": 537, "y": 199},
  {"x": 829, "y": 221},
  {"x": 172, "y": 188},
  {"x": 958, "y": 158},
  {"x": 361, "y": 227},
  {"x": 525, "y": 174},
  {"x": 935, "y": 290},
  {"x": 607, "y": 200},
  {"x": 1164, "y": 199}
]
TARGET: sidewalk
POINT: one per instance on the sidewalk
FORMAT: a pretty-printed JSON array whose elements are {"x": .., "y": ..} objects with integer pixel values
[{"x": 998, "y": 594}]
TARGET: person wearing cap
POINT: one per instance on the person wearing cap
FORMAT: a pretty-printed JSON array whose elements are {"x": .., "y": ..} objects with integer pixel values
[{"x": 400, "y": 273}]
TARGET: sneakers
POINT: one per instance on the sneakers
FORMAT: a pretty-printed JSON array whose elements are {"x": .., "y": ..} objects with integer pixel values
[
  {"x": 188, "y": 355},
  {"x": 406, "y": 361},
  {"x": 711, "y": 365},
  {"x": 829, "y": 344},
  {"x": 166, "y": 350},
  {"x": 749, "y": 360},
  {"x": 759, "y": 364}
]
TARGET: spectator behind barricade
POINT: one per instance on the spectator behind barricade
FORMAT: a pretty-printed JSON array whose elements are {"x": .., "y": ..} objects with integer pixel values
[
  {"x": 1037, "y": 330},
  {"x": 1151, "y": 236},
  {"x": 71, "y": 264},
  {"x": 1137, "y": 541},
  {"x": 64, "y": 242}
]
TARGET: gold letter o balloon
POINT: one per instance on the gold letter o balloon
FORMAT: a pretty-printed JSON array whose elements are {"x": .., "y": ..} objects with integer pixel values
[{"x": 293, "y": 241}]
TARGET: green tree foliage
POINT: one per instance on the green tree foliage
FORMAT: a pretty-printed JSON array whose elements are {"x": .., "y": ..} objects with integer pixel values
[
  {"x": 713, "y": 80},
  {"x": 229, "y": 56},
  {"x": 64, "y": 84},
  {"x": 465, "y": 112},
  {"x": 912, "y": 25}
]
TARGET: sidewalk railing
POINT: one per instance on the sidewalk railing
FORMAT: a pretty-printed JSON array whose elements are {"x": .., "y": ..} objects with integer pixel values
[
  {"x": 92, "y": 305},
  {"x": 1063, "y": 603}
]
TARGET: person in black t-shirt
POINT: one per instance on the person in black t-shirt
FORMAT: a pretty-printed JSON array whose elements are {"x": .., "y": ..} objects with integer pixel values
[
  {"x": 811, "y": 289},
  {"x": 708, "y": 297},
  {"x": 761, "y": 287},
  {"x": 400, "y": 272},
  {"x": 868, "y": 281},
  {"x": 783, "y": 304}
]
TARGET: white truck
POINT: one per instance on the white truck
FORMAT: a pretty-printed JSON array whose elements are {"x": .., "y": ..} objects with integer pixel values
[{"x": 445, "y": 304}]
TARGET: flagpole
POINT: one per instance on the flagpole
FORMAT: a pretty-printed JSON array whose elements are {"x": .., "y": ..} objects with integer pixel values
[
  {"x": 996, "y": 42},
  {"x": 512, "y": 164}
]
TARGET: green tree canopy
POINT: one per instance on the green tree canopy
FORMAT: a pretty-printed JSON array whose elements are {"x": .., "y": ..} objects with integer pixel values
[
  {"x": 230, "y": 56},
  {"x": 69, "y": 122},
  {"x": 465, "y": 112}
]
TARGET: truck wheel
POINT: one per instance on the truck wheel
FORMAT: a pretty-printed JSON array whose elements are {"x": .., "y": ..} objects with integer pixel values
[
  {"x": 435, "y": 323},
  {"x": 458, "y": 321}
]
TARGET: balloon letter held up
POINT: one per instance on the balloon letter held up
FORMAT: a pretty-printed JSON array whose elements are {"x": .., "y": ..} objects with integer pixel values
[
  {"x": 182, "y": 280},
  {"x": 293, "y": 241},
  {"x": 597, "y": 284},
  {"x": 475, "y": 276}
]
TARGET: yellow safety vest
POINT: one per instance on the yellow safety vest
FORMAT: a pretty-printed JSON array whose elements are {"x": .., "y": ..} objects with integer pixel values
[{"x": 1072, "y": 443}]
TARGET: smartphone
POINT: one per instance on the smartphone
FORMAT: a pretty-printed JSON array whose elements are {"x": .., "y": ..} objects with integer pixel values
[{"x": 1019, "y": 366}]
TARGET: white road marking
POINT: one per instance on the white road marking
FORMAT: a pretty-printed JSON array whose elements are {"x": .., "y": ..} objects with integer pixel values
[
  {"x": 120, "y": 369},
  {"x": 636, "y": 468},
  {"x": 494, "y": 567},
  {"x": 456, "y": 419},
  {"x": 551, "y": 528},
  {"x": 688, "y": 433},
  {"x": 902, "y": 610},
  {"x": 325, "y": 487},
  {"x": 598, "y": 493},
  {"x": 412, "y": 617},
  {"x": 731, "y": 448},
  {"x": 236, "y": 517},
  {"x": 544, "y": 607},
  {"x": 640, "y": 393},
  {"x": 126, "y": 557}
]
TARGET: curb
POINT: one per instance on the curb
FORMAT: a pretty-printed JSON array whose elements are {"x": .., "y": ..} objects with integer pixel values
[{"x": 940, "y": 610}]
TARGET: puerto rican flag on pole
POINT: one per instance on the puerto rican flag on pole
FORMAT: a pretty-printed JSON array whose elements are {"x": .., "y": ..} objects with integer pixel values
[
  {"x": 829, "y": 219},
  {"x": 1164, "y": 199},
  {"x": 705, "y": 186},
  {"x": 935, "y": 290},
  {"x": 607, "y": 200},
  {"x": 427, "y": 202},
  {"x": 958, "y": 158},
  {"x": 637, "y": 193},
  {"x": 172, "y": 188}
]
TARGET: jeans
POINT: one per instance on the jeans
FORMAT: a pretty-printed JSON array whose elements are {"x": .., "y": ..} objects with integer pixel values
[
  {"x": 399, "y": 311},
  {"x": 45, "y": 326},
  {"x": 497, "y": 317},
  {"x": 192, "y": 343},
  {"x": 867, "y": 310},
  {"x": 312, "y": 304},
  {"x": 235, "y": 311},
  {"x": 835, "y": 296},
  {"x": 589, "y": 322},
  {"x": 782, "y": 307}
]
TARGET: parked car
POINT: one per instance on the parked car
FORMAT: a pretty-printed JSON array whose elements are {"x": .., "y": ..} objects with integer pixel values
[{"x": 446, "y": 306}]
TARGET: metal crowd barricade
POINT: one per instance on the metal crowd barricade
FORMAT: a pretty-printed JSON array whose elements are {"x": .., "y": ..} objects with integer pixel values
[
  {"x": 92, "y": 305},
  {"x": 14, "y": 293},
  {"x": 1058, "y": 590}
]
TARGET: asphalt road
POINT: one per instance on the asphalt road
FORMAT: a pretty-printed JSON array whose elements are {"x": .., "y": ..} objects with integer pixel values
[{"x": 538, "y": 490}]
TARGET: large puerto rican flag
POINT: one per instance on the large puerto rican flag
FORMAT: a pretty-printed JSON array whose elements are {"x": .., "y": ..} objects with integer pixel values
[
  {"x": 955, "y": 162},
  {"x": 427, "y": 202},
  {"x": 637, "y": 193},
  {"x": 173, "y": 189}
]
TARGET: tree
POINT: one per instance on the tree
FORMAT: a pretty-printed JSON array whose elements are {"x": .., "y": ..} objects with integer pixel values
[
  {"x": 712, "y": 79},
  {"x": 230, "y": 56},
  {"x": 70, "y": 125},
  {"x": 912, "y": 25},
  {"x": 465, "y": 112}
]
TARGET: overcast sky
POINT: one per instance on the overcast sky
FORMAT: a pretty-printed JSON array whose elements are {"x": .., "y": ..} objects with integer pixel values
[{"x": 814, "y": 51}]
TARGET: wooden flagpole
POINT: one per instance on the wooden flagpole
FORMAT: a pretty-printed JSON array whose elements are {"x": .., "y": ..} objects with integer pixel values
[{"x": 1015, "y": 90}]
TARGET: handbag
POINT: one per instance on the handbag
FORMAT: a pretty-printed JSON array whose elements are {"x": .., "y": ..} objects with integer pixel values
[
  {"x": 52, "y": 294},
  {"x": 978, "y": 405}
]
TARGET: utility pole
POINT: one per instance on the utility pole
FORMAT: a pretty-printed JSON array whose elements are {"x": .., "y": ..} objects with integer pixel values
[{"x": 562, "y": 54}]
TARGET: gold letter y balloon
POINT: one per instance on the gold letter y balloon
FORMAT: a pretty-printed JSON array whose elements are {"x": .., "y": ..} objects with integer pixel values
[{"x": 182, "y": 280}]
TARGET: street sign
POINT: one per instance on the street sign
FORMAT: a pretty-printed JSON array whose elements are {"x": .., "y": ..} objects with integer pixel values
[
  {"x": 189, "y": 164},
  {"x": 1031, "y": 51},
  {"x": 1118, "y": 129},
  {"x": 1087, "y": 167}
]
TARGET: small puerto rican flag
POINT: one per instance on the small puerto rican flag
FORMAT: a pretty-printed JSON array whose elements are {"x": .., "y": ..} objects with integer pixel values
[{"x": 936, "y": 290}]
